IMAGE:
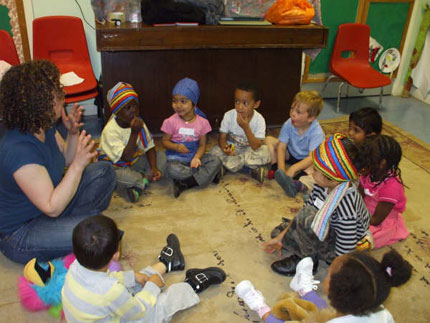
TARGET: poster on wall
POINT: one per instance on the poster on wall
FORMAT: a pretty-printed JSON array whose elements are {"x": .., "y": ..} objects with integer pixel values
[{"x": 13, "y": 21}]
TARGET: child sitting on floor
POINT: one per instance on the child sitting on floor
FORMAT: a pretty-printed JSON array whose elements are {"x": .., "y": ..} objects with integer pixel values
[
  {"x": 356, "y": 285},
  {"x": 364, "y": 122},
  {"x": 382, "y": 188},
  {"x": 92, "y": 293},
  {"x": 299, "y": 136},
  {"x": 334, "y": 217},
  {"x": 242, "y": 132},
  {"x": 185, "y": 141},
  {"x": 128, "y": 144}
]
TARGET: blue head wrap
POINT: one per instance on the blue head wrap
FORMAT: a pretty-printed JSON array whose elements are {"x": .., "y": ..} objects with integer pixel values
[{"x": 188, "y": 88}]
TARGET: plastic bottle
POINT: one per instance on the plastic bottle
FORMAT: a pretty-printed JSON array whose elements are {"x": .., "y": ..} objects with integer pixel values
[{"x": 134, "y": 13}]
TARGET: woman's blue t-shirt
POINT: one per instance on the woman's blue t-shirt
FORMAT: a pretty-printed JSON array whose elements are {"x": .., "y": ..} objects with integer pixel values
[{"x": 17, "y": 150}]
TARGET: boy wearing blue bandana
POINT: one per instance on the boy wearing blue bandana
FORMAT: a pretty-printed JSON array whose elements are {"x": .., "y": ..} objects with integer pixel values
[
  {"x": 185, "y": 141},
  {"x": 334, "y": 218},
  {"x": 128, "y": 144}
]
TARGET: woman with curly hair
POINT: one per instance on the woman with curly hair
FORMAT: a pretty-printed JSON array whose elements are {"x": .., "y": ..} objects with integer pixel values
[{"x": 39, "y": 203}]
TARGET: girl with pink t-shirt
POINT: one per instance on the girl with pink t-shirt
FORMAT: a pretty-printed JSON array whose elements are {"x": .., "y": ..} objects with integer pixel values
[
  {"x": 185, "y": 141},
  {"x": 383, "y": 191}
]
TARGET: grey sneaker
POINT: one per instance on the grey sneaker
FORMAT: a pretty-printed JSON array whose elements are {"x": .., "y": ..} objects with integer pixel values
[
  {"x": 258, "y": 174},
  {"x": 286, "y": 182}
]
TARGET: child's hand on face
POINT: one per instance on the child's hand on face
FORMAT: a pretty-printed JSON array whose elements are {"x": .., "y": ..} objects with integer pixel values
[
  {"x": 242, "y": 121},
  {"x": 195, "y": 163},
  {"x": 136, "y": 124},
  {"x": 228, "y": 150},
  {"x": 182, "y": 149}
]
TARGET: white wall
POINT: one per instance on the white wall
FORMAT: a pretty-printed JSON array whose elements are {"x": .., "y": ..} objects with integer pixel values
[{"x": 40, "y": 8}]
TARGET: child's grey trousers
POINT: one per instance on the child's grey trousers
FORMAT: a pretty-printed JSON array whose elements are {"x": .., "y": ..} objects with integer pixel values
[{"x": 175, "y": 298}]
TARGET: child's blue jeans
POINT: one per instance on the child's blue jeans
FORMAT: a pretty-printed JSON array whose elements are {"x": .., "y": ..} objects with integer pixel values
[{"x": 47, "y": 238}]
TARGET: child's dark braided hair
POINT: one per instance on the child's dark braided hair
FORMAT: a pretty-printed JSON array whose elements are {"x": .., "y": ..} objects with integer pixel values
[
  {"x": 376, "y": 149},
  {"x": 362, "y": 283}
]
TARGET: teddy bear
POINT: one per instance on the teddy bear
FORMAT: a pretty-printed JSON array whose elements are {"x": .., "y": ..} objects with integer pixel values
[{"x": 292, "y": 309}]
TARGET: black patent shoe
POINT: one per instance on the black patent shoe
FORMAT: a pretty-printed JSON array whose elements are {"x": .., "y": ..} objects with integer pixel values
[
  {"x": 287, "y": 266},
  {"x": 278, "y": 229},
  {"x": 171, "y": 255},
  {"x": 200, "y": 279}
]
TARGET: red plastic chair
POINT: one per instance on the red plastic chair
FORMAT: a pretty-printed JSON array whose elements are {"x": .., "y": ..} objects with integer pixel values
[
  {"x": 61, "y": 39},
  {"x": 354, "y": 68},
  {"x": 7, "y": 49}
]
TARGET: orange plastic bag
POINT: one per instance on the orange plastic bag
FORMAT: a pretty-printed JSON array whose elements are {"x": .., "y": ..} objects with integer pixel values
[{"x": 290, "y": 12}]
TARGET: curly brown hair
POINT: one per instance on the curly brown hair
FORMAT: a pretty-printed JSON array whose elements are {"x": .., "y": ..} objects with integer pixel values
[{"x": 27, "y": 96}]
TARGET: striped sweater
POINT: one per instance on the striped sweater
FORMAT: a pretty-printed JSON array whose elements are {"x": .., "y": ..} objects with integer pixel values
[
  {"x": 92, "y": 296},
  {"x": 350, "y": 220}
]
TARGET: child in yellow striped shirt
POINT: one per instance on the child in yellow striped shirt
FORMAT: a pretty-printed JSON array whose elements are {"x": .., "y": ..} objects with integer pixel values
[{"x": 92, "y": 293}]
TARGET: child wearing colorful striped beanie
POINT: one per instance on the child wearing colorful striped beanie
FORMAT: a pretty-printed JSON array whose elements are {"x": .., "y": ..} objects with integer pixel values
[
  {"x": 128, "y": 144},
  {"x": 334, "y": 217}
]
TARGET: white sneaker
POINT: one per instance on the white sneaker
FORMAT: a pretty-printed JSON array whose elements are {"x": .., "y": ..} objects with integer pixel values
[
  {"x": 303, "y": 281},
  {"x": 252, "y": 297}
]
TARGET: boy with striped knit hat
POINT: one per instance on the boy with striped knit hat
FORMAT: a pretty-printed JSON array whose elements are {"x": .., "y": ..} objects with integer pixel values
[
  {"x": 128, "y": 144},
  {"x": 334, "y": 218}
]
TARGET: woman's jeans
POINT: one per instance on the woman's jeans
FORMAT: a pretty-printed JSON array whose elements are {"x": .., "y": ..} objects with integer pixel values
[{"x": 47, "y": 238}]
